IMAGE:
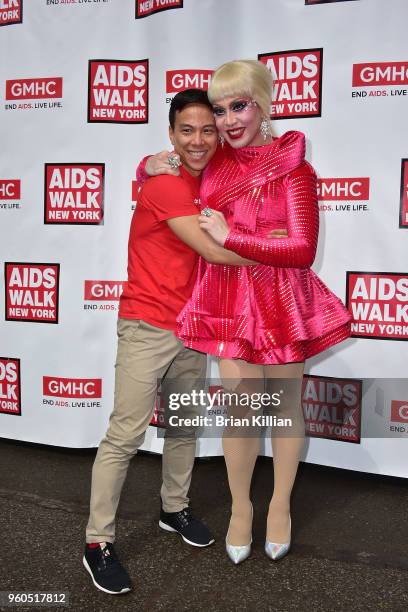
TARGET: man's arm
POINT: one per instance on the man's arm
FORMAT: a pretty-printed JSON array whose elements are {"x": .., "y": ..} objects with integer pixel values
[{"x": 189, "y": 232}]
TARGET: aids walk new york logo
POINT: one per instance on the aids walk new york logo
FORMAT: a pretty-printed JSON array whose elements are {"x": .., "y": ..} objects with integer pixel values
[
  {"x": 118, "y": 91},
  {"x": 74, "y": 194},
  {"x": 403, "y": 220},
  {"x": 332, "y": 408},
  {"x": 343, "y": 194},
  {"x": 379, "y": 79},
  {"x": 179, "y": 80},
  {"x": 10, "y": 386},
  {"x": 72, "y": 392},
  {"x": 144, "y": 8},
  {"x": 378, "y": 303},
  {"x": 297, "y": 82},
  {"x": 10, "y": 194},
  {"x": 39, "y": 93},
  {"x": 102, "y": 294},
  {"x": 11, "y": 12},
  {"x": 32, "y": 292}
]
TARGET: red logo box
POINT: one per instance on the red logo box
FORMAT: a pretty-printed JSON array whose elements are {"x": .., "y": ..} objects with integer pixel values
[
  {"x": 11, "y": 12},
  {"x": 10, "y": 189},
  {"x": 103, "y": 290},
  {"x": 34, "y": 89},
  {"x": 144, "y": 8},
  {"x": 378, "y": 303},
  {"x": 373, "y": 74},
  {"x": 332, "y": 408},
  {"x": 118, "y": 91},
  {"x": 399, "y": 411},
  {"x": 403, "y": 220},
  {"x": 179, "y": 80},
  {"x": 10, "y": 386},
  {"x": 329, "y": 189},
  {"x": 74, "y": 194},
  {"x": 297, "y": 86},
  {"x": 73, "y": 388},
  {"x": 32, "y": 292}
]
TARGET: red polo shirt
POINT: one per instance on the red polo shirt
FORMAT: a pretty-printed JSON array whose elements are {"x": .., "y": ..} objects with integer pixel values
[{"x": 161, "y": 268}]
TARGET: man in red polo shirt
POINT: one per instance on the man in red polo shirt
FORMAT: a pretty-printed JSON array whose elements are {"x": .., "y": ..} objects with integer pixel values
[{"x": 164, "y": 242}]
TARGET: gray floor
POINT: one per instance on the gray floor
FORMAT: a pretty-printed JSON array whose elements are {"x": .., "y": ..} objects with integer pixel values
[{"x": 350, "y": 546}]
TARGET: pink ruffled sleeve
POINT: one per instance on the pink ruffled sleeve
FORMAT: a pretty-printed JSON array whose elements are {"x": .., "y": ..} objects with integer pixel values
[{"x": 298, "y": 250}]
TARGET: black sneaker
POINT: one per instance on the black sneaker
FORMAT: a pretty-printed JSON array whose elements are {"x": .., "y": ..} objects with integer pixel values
[
  {"x": 108, "y": 575},
  {"x": 191, "y": 529}
]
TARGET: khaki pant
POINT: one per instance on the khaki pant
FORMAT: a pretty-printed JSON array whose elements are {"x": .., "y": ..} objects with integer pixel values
[{"x": 145, "y": 354}]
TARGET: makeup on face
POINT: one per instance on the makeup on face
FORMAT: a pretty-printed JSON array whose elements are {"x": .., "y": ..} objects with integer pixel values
[
  {"x": 238, "y": 119},
  {"x": 237, "y": 106}
]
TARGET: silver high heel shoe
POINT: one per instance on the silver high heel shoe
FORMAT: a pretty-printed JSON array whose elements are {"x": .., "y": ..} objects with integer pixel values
[
  {"x": 276, "y": 551},
  {"x": 238, "y": 554}
]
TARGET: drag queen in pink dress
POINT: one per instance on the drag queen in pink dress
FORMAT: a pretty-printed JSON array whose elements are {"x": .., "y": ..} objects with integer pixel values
[{"x": 261, "y": 321}]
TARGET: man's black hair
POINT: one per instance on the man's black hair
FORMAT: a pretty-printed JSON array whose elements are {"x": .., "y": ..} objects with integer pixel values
[{"x": 183, "y": 99}]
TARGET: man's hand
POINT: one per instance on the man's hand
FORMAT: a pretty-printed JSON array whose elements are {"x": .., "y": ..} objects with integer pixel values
[{"x": 159, "y": 164}]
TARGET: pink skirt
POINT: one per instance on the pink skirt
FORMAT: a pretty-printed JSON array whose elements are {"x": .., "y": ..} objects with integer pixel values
[{"x": 261, "y": 314}]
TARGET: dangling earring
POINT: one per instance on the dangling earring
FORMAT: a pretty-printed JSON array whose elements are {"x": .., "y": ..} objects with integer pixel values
[
  {"x": 265, "y": 128},
  {"x": 221, "y": 140}
]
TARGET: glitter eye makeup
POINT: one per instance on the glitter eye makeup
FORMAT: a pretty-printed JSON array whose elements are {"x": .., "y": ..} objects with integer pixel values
[
  {"x": 241, "y": 105},
  {"x": 237, "y": 106}
]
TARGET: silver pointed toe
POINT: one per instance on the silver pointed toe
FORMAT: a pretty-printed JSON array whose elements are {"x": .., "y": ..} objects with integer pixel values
[
  {"x": 238, "y": 554},
  {"x": 276, "y": 551}
]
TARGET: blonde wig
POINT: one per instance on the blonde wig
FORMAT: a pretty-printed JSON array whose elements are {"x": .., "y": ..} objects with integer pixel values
[{"x": 243, "y": 78}]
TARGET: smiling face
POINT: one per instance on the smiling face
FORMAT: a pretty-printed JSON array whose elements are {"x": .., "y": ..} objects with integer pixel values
[
  {"x": 194, "y": 137},
  {"x": 238, "y": 119}
]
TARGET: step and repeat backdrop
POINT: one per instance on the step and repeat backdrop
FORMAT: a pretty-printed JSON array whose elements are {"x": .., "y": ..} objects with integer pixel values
[{"x": 85, "y": 92}]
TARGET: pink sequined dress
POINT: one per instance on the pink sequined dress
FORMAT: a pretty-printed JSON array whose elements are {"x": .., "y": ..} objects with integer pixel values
[{"x": 278, "y": 311}]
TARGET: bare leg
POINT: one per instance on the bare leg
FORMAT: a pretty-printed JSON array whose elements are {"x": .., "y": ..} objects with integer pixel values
[
  {"x": 287, "y": 450},
  {"x": 241, "y": 447}
]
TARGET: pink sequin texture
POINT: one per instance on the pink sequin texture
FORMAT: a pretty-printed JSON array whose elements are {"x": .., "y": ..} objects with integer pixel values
[{"x": 278, "y": 311}]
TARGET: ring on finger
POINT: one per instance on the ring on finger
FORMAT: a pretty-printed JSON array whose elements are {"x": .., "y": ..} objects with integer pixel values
[
  {"x": 207, "y": 212},
  {"x": 174, "y": 161}
]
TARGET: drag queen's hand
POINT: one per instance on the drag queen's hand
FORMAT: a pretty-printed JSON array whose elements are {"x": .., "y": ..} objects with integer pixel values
[
  {"x": 159, "y": 164},
  {"x": 215, "y": 225}
]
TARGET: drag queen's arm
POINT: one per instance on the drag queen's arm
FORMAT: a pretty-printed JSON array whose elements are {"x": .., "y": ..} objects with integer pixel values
[
  {"x": 299, "y": 249},
  {"x": 153, "y": 165}
]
